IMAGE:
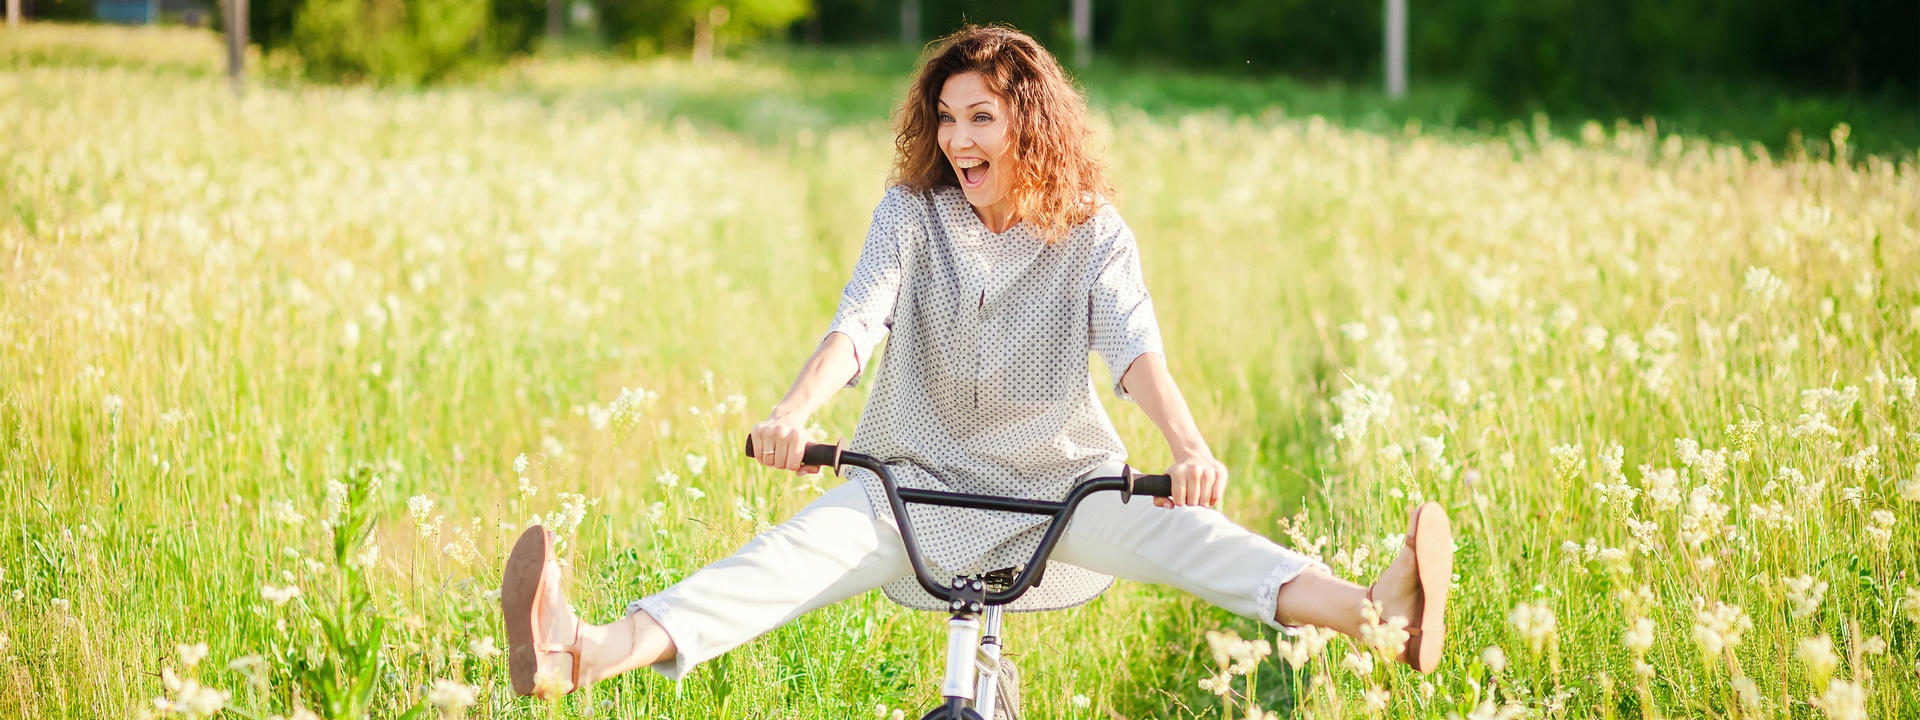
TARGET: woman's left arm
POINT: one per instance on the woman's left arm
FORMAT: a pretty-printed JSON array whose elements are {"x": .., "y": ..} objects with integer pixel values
[{"x": 1198, "y": 479}]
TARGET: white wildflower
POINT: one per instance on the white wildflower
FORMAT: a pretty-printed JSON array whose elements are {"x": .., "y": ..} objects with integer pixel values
[
  {"x": 1763, "y": 285},
  {"x": 483, "y": 648},
  {"x": 667, "y": 478},
  {"x": 1376, "y": 700},
  {"x": 1843, "y": 700},
  {"x": 335, "y": 503},
  {"x": 696, "y": 464},
  {"x": 1662, "y": 486},
  {"x": 1536, "y": 624},
  {"x": 1495, "y": 659},
  {"x": 1359, "y": 407},
  {"x": 1358, "y": 663},
  {"x": 191, "y": 655},
  {"x": 1594, "y": 338},
  {"x": 450, "y": 697},
  {"x": 1081, "y": 701},
  {"x": 420, "y": 507},
  {"x": 695, "y": 493},
  {"x": 1566, "y": 460},
  {"x": 1817, "y": 654},
  {"x": 284, "y": 513},
  {"x": 1910, "y": 604},
  {"x": 520, "y": 464},
  {"x": 279, "y": 596},
  {"x": 1720, "y": 629},
  {"x": 1639, "y": 637},
  {"x": 1804, "y": 593},
  {"x": 1880, "y": 529}
]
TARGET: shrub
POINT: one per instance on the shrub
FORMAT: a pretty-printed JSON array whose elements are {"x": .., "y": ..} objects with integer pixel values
[{"x": 401, "y": 42}]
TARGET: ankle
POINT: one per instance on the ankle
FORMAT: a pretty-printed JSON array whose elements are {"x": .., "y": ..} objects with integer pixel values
[{"x": 631, "y": 642}]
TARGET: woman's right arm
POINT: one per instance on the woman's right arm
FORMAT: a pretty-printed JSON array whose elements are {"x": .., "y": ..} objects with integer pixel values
[
  {"x": 865, "y": 317},
  {"x": 782, "y": 437}
]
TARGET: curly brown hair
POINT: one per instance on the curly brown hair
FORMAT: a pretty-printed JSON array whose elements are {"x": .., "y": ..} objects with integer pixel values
[{"x": 1056, "y": 177}]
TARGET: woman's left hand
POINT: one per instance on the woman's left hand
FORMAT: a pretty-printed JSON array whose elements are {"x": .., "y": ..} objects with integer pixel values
[{"x": 1197, "y": 480}]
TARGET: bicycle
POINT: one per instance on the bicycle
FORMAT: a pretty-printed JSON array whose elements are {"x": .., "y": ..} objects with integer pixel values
[{"x": 973, "y": 688}]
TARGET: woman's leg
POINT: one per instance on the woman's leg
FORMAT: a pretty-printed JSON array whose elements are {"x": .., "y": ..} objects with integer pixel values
[
  {"x": 833, "y": 549},
  {"x": 1202, "y": 552}
]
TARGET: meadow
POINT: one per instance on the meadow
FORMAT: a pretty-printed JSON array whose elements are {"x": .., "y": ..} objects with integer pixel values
[{"x": 282, "y": 377}]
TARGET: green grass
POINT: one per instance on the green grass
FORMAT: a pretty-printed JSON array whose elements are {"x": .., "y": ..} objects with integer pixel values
[{"x": 210, "y": 310}]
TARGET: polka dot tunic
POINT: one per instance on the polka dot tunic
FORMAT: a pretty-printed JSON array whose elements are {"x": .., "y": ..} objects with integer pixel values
[{"x": 985, "y": 385}]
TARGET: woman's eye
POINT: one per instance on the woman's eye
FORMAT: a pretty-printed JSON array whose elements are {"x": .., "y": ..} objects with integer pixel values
[
  {"x": 945, "y": 118},
  {"x": 983, "y": 117}
]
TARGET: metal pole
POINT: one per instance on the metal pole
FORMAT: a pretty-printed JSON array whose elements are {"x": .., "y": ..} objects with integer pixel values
[
  {"x": 1082, "y": 33},
  {"x": 910, "y": 23},
  {"x": 1396, "y": 49},
  {"x": 13, "y": 13},
  {"x": 236, "y": 45}
]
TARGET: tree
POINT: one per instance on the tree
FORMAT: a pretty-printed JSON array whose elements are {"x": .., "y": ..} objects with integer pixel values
[
  {"x": 405, "y": 42},
  {"x": 701, "y": 26}
]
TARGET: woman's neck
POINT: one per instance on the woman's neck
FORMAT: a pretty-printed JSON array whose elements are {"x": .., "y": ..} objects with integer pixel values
[{"x": 998, "y": 217}]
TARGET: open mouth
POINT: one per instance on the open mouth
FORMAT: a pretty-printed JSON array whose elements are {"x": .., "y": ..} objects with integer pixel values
[{"x": 973, "y": 171}]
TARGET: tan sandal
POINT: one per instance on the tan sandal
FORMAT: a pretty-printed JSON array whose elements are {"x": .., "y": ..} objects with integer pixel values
[
  {"x": 522, "y": 588},
  {"x": 1431, "y": 540}
]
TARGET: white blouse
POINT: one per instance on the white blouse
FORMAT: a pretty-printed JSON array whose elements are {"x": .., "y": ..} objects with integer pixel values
[{"x": 985, "y": 386}]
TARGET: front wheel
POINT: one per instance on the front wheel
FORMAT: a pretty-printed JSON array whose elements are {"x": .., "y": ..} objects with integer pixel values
[{"x": 1006, "y": 703}]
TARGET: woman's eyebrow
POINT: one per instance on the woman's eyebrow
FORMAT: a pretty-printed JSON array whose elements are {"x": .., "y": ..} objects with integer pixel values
[{"x": 976, "y": 103}]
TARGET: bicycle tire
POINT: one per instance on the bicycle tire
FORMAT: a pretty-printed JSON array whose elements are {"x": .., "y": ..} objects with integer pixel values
[{"x": 1006, "y": 705}]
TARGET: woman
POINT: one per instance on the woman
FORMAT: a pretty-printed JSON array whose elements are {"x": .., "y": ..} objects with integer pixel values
[{"x": 996, "y": 267}]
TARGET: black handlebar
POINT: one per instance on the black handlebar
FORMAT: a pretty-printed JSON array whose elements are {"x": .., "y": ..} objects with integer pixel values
[{"x": 1128, "y": 484}]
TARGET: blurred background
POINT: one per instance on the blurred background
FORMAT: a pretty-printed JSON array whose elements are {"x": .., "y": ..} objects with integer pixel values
[{"x": 1759, "y": 70}]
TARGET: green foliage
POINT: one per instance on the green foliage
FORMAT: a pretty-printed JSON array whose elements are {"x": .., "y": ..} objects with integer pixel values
[
  {"x": 648, "y": 26},
  {"x": 402, "y": 42}
]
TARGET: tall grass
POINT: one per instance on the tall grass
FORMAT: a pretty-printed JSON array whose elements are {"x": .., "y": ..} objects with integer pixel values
[{"x": 1663, "y": 387}]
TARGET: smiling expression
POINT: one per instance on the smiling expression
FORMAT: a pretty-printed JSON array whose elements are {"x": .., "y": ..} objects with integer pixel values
[{"x": 974, "y": 130}]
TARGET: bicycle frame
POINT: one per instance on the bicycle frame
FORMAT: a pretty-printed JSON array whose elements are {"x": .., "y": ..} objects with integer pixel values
[{"x": 970, "y": 598}]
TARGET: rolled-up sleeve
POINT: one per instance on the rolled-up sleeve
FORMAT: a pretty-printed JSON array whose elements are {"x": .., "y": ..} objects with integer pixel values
[
  {"x": 1122, "y": 325},
  {"x": 866, "y": 306}
]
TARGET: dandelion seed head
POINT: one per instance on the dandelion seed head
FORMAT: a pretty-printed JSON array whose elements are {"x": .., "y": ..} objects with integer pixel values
[
  {"x": 1843, "y": 700},
  {"x": 1536, "y": 624},
  {"x": 279, "y": 596},
  {"x": 1376, "y": 699},
  {"x": 1639, "y": 636},
  {"x": 190, "y": 655},
  {"x": 483, "y": 648},
  {"x": 451, "y": 697}
]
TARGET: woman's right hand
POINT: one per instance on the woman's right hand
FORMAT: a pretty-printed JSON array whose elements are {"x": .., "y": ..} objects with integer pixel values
[{"x": 779, "y": 442}]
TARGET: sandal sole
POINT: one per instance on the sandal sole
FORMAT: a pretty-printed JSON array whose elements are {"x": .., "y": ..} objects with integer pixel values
[
  {"x": 1433, "y": 555},
  {"x": 519, "y": 594}
]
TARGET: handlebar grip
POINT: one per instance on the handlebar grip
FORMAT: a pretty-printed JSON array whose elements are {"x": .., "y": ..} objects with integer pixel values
[
  {"x": 1153, "y": 485},
  {"x": 819, "y": 454}
]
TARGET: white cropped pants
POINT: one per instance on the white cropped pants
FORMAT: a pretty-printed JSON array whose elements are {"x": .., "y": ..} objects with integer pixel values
[{"x": 836, "y": 548}]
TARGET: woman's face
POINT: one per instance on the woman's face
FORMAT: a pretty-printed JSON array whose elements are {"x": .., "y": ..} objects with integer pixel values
[{"x": 974, "y": 135}]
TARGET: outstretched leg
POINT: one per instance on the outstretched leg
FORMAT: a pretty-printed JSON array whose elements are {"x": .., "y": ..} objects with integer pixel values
[
  {"x": 1202, "y": 552},
  {"x": 831, "y": 550}
]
